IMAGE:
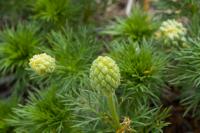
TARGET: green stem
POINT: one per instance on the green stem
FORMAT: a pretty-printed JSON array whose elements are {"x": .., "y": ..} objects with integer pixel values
[{"x": 113, "y": 111}]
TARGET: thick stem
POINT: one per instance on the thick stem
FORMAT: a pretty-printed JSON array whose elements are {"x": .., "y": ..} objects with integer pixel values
[{"x": 113, "y": 111}]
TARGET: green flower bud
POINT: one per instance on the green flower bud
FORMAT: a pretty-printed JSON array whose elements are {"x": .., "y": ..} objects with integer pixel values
[
  {"x": 104, "y": 74},
  {"x": 42, "y": 63}
]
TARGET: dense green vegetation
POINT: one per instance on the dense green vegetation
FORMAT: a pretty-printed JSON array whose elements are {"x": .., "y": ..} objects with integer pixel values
[{"x": 66, "y": 66}]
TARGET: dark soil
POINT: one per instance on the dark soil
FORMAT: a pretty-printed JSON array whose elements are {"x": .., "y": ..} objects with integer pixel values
[{"x": 179, "y": 123}]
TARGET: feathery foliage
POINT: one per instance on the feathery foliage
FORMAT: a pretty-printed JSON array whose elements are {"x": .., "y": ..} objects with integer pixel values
[
  {"x": 91, "y": 110},
  {"x": 73, "y": 87},
  {"x": 44, "y": 113},
  {"x": 184, "y": 72},
  {"x": 141, "y": 69},
  {"x": 6, "y": 108},
  {"x": 194, "y": 26},
  {"x": 55, "y": 12},
  {"x": 17, "y": 46},
  {"x": 137, "y": 26},
  {"x": 74, "y": 51}
]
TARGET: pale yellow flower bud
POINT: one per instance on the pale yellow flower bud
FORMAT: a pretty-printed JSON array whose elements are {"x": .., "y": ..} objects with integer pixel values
[
  {"x": 172, "y": 30},
  {"x": 42, "y": 63}
]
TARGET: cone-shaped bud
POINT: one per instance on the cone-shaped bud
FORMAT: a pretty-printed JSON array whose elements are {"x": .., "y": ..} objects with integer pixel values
[
  {"x": 104, "y": 74},
  {"x": 42, "y": 63}
]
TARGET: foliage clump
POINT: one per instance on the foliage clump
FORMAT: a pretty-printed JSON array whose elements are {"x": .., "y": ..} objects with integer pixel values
[
  {"x": 142, "y": 68},
  {"x": 45, "y": 112},
  {"x": 137, "y": 26},
  {"x": 185, "y": 74},
  {"x": 74, "y": 51},
  {"x": 17, "y": 46},
  {"x": 56, "y": 12}
]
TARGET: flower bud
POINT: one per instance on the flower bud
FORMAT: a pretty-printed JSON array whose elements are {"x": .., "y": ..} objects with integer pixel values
[
  {"x": 172, "y": 30},
  {"x": 42, "y": 63},
  {"x": 104, "y": 74}
]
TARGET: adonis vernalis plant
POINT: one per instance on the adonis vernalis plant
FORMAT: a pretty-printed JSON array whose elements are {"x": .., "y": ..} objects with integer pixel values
[
  {"x": 17, "y": 45},
  {"x": 73, "y": 50},
  {"x": 59, "y": 74},
  {"x": 137, "y": 26},
  {"x": 141, "y": 69}
]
